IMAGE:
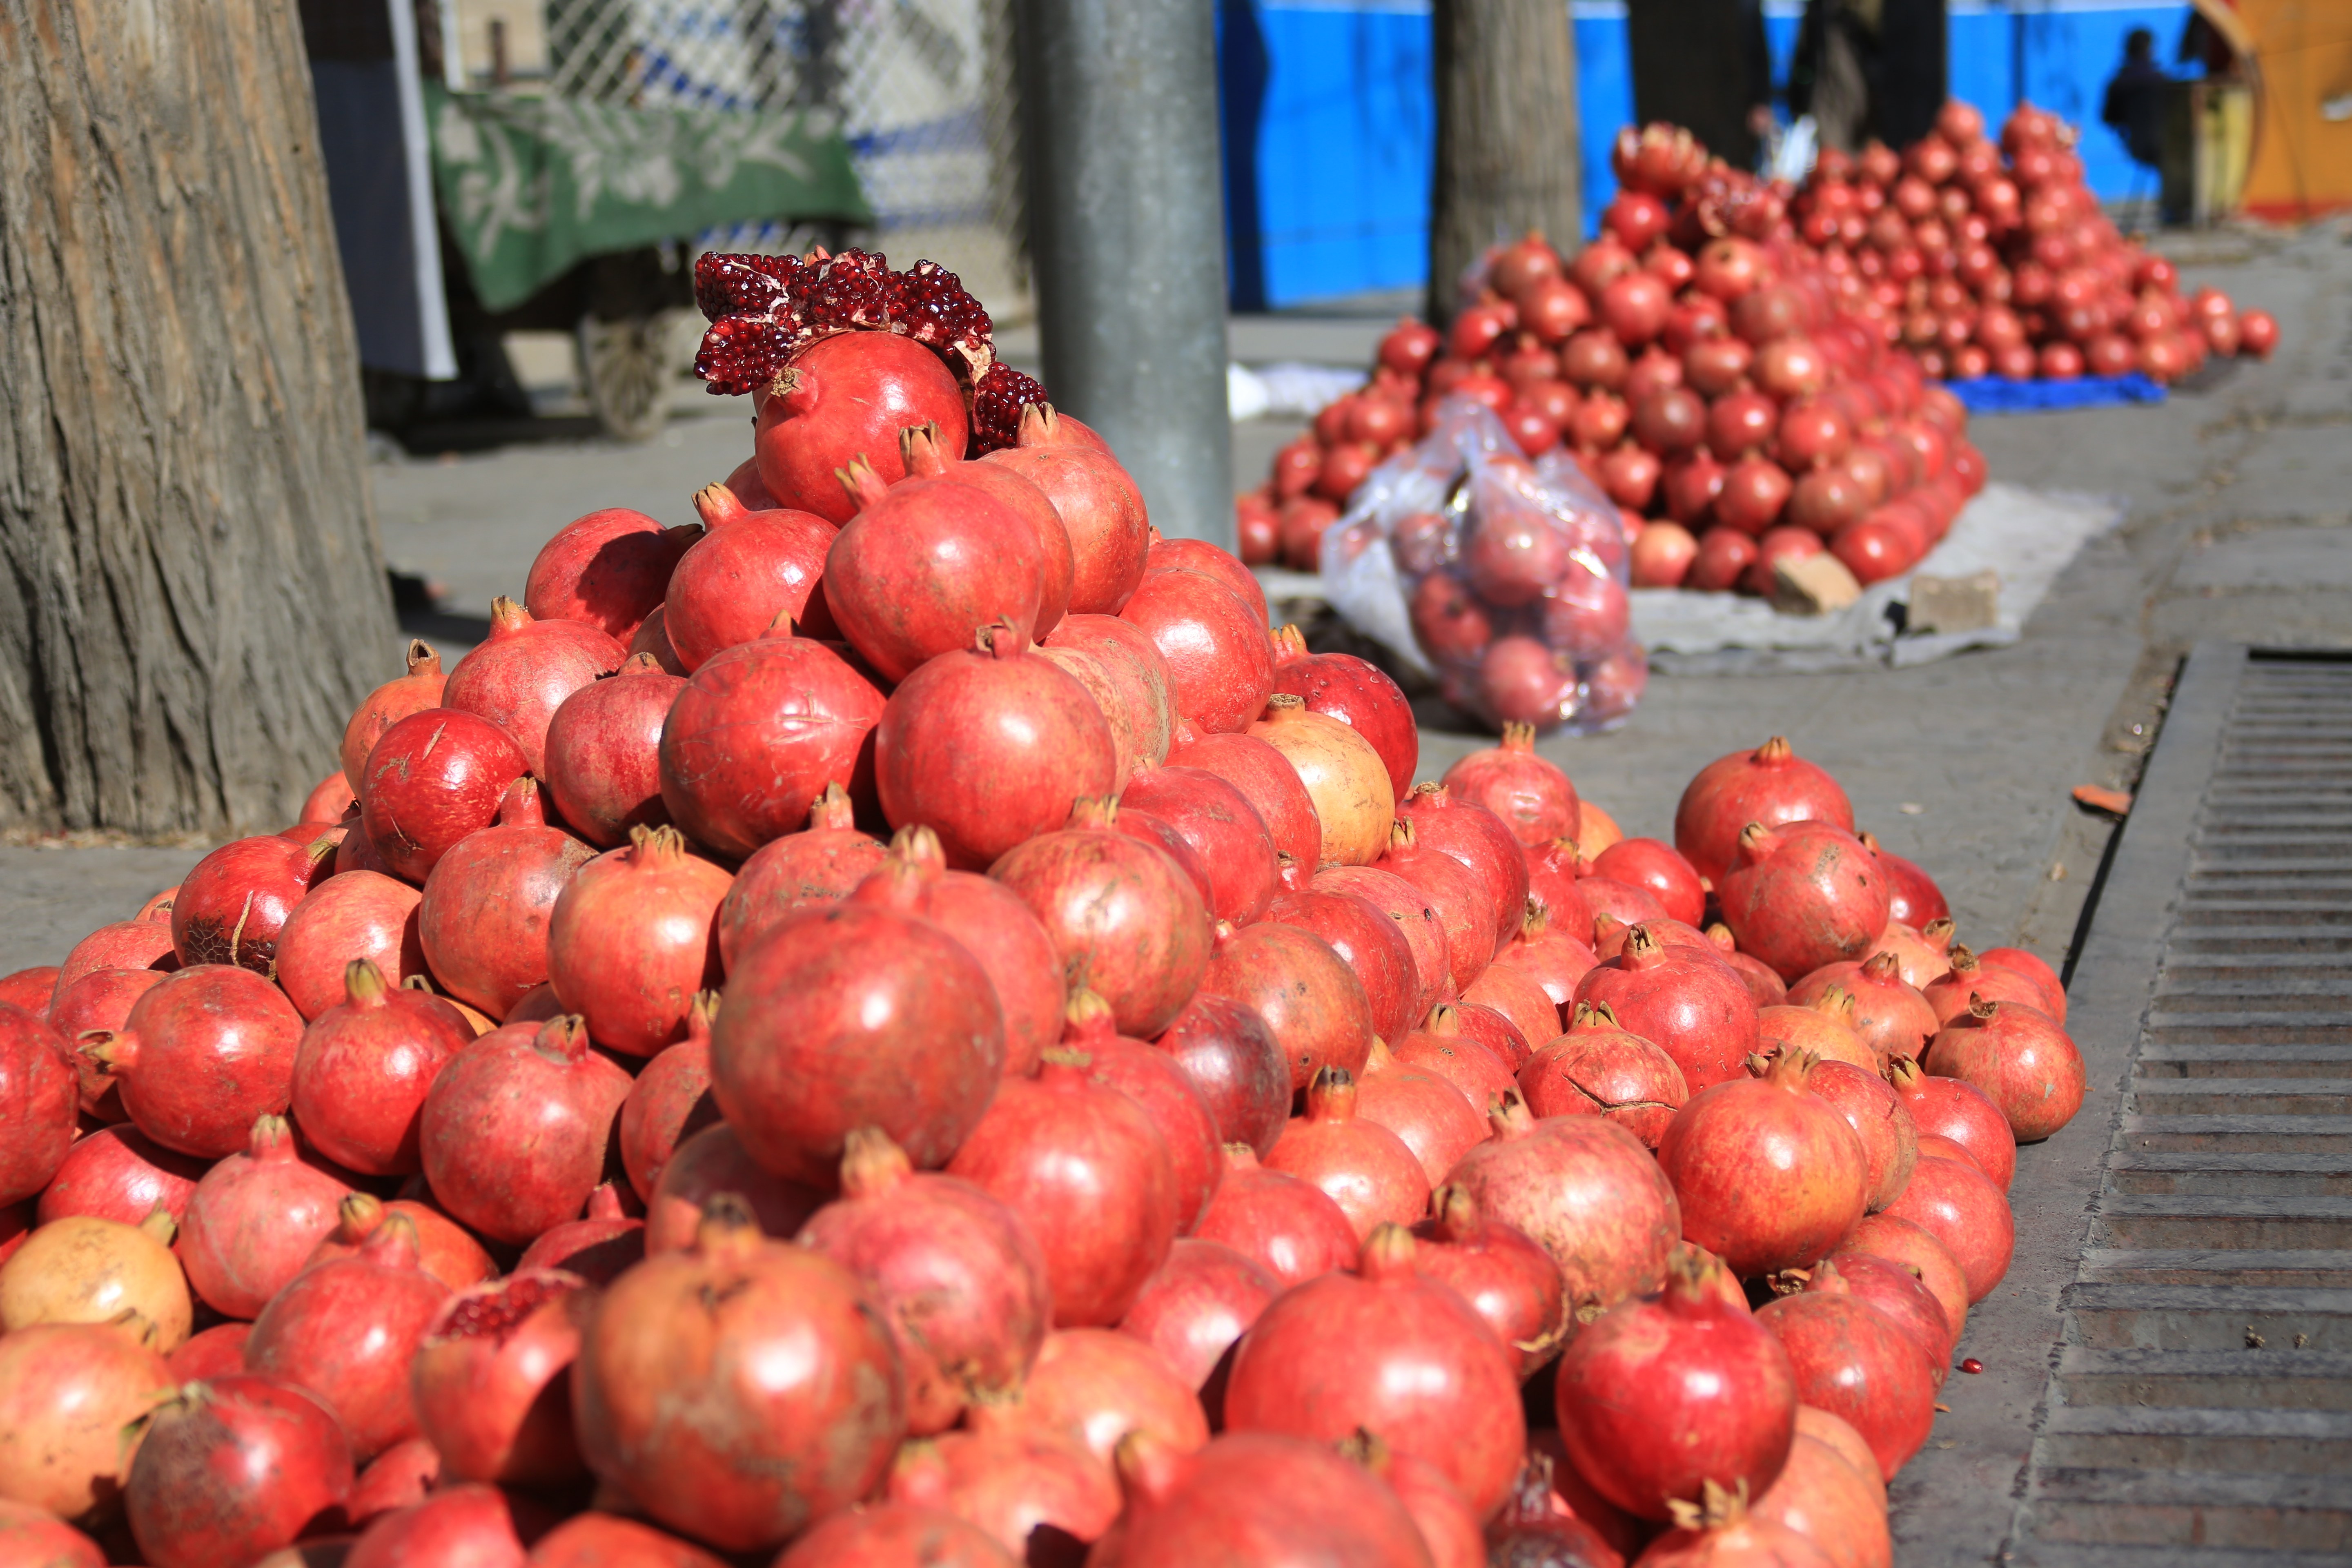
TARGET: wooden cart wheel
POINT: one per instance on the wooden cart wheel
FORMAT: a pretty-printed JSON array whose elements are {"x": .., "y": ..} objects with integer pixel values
[{"x": 628, "y": 373}]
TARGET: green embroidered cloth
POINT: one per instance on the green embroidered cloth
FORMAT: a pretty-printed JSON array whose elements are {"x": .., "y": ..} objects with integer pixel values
[{"x": 530, "y": 186}]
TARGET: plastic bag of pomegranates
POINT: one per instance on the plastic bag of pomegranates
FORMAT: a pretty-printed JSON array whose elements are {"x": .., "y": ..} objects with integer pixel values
[{"x": 1503, "y": 580}]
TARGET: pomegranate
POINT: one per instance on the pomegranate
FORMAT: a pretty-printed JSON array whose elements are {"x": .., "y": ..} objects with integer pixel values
[
  {"x": 1093, "y": 1387},
  {"x": 607, "y": 570},
  {"x": 1291, "y": 1227},
  {"x": 1349, "y": 785},
  {"x": 1121, "y": 912},
  {"x": 483, "y": 920},
  {"x": 1521, "y": 999},
  {"x": 523, "y": 670},
  {"x": 1461, "y": 899},
  {"x": 1446, "y": 1045},
  {"x": 1555, "y": 961},
  {"x": 1359, "y": 694},
  {"x": 33, "y": 1535},
  {"x": 1365, "y": 1168},
  {"x": 1596, "y": 1068},
  {"x": 1032, "y": 1492},
  {"x": 1177, "y": 1111},
  {"x": 1083, "y": 1164},
  {"x": 1294, "y": 1502},
  {"x": 1771, "y": 786},
  {"x": 670, "y": 1100},
  {"x": 100, "y": 1000},
  {"x": 602, "y": 753},
  {"x": 515, "y": 1130},
  {"x": 852, "y": 1015},
  {"x": 1307, "y": 995},
  {"x": 117, "y": 1174},
  {"x": 1920, "y": 959},
  {"x": 1718, "y": 1531},
  {"x": 1128, "y": 675},
  {"x": 198, "y": 1058},
  {"x": 254, "y": 1218},
  {"x": 1659, "y": 870},
  {"x": 40, "y": 1093},
  {"x": 1854, "y": 1362},
  {"x": 351, "y": 916},
  {"x": 1100, "y": 507},
  {"x": 1892, "y": 1018},
  {"x": 1218, "y": 821},
  {"x": 1914, "y": 1249},
  {"x": 847, "y": 395},
  {"x": 922, "y": 563},
  {"x": 630, "y": 939},
  {"x": 1769, "y": 1174},
  {"x": 1890, "y": 1139},
  {"x": 347, "y": 1329},
  {"x": 85, "y": 1269},
  {"x": 758, "y": 734},
  {"x": 68, "y": 1391},
  {"x": 234, "y": 902},
  {"x": 1823, "y": 1498},
  {"x": 1803, "y": 897},
  {"x": 989, "y": 747},
  {"x": 2053, "y": 990},
  {"x": 1965, "y": 981},
  {"x": 445, "y": 1249},
  {"x": 958, "y": 1276},
  {"x": 790, "y": 1369},
  {"x": 1395, "y": 1353},
  {"x": 1528, "y": 792},
  {"x": 1899, "y": 1291},
  {"x": 1230, "y": 1054},
  {"x": 1956, "y": 1203},
  {"x": 490, "y": 1379},
  {"x": 233, "y": 1468},
  {"x": 2025, "y": 1064},
  {"x": 750, "y": 570},
  {"x": 218, "y": 1351},
  {"x": 897, "y": 1535},
  {"x": 801, "y": 870},
  {"x": 362, "y": 1069},
  {"x": 1913, "y": 897},
  {"x": 1197, "y": 1306},
  {"x": 1507, "y": 1278},
  {"x": 1006, "y": 941},
  {"x": 1373, "y": 945},
  {"x": 1958, "y": 1109},
  {"x": 1583, "y": 1189},
  {"x": 1480, "y": 841},
  {"x": 431, "y": 780},
  {"x": 601, "y": 1540},
  {"x": 1539, "y": 1524},
  {"x": 1686, "y": 1002},
  {"x": 142, "y": 943},
  {"x": 596, "y": 1247},
  {"x": 711, "y": 1164},
  {"x": 1658, "y": 1397},
  {"x": 388, "y": 704}
]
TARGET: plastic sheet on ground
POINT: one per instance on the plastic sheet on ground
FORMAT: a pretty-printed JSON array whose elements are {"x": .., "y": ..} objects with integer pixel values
[
  {"x": 1992, "y": 395},
  {"x": 2025, "y": 537}
]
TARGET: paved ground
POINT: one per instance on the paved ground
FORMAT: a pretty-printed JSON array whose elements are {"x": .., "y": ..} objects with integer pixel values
[{"x": 2237, "y": 526}]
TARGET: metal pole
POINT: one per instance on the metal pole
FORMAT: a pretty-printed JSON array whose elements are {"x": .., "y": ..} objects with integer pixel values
[{"x": 1127, "y": 230}]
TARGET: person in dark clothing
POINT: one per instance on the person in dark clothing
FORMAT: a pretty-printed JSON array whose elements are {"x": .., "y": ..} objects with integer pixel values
[
  {"x": 1704, "y": 64},
  {"x": 1868, "y": 68},
  {"x": 2134, "y": 106}
]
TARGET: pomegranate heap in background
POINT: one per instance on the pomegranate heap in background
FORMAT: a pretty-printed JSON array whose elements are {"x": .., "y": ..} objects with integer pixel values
[
  {"x": 1994, "y": 259},
  {"x": 1748, "y": 371},
  {"x": 966, "y": 1049}
]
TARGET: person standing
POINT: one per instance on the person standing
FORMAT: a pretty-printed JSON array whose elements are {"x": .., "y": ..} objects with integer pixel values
[
  {"x": 2133, "y": 107},
  {"x": 1869, "y": 69}
]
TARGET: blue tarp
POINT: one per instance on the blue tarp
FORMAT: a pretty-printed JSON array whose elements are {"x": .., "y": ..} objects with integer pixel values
[{"x": 1991, "y": 395}]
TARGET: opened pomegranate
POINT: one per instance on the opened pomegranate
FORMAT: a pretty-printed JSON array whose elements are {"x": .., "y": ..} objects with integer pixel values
[
  {"x": 959, "y": 1276},
  {"x": 199, "y": 1058},
  {"x": 1771, "y": 786},
  {"x": 490, "y": 1379},
  {"x": 1596, "y": 1069},
  {"x": 1123, "y": 915},
  {"x": 1954, "y": 1108},
  {"x": 1391, "y": 1352},
  {"x": 860, "y": 1014},
  {"x": 347, "y": 1329},
  {"x": 2021, "y": 1061},
  {"x": 1291, "y": 1227},
  {"x": 483, "y": 922},
  {"x": 1584, "y": 1190},
  {"x": 388, "y": 704},
  {"x": 516, "y": 1127},
  {"x": 1660, "y": 1396},
  {"x": 792, "y": 1377},
  {"x": 1684, "y": 1000},
  {"x": 363, "y": 1068},
  {"x": 630, "y": 941},
  {"x": 233, "y": 1468},
  {"x": 1890, "y": 1139},
  {"x": 758, "y": 734},
  {"x": 1359, "y": 694},
  {"x": 1084, "y": 1165},
  {"x": 1100, "y": 507},
  {"x": 1854, "y": 1362}
]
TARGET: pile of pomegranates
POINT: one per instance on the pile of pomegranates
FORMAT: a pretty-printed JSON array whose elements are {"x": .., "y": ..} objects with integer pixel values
[
  {"x": 1750, "y": 370},
  {"x": 1077, "y": 1098}
]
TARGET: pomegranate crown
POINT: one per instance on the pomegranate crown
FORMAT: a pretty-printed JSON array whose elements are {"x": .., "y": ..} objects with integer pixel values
[{"x": 764, "y": 310}]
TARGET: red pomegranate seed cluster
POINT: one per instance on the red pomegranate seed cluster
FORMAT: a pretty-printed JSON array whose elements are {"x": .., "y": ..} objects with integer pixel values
[{"x": 763, "y": 310}]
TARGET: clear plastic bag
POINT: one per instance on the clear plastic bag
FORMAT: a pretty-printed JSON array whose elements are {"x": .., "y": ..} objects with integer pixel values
[{"x": 1504, "y": 580}]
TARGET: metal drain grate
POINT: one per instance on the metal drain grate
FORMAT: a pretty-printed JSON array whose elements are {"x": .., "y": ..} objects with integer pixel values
[{"x": 2199, "y": 1409}]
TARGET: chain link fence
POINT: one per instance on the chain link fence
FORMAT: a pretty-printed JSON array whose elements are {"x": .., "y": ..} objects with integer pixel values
[{"x": 923, "y": 90}]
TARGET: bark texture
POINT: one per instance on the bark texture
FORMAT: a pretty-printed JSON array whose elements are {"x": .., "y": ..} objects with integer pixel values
[
  {"x": 195, "y": 595},
  {"x": 1507, "y": 148}
]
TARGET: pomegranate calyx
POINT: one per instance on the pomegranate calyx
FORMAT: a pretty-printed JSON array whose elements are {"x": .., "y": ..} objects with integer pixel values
[
  {"x": 865, "y": 487},
  {"x": 1290, "y": 646},
  {"x": 422, "y": 658},
  {"x": 727, "y": 1232},
  {"x": 832, "y": 809},
  {"x": 508, "y": 616},
  {"x": 1284, "y": 707},
  {"x": 272, "y": 1142},
  {"x": 1773, "y": 752},
  {"x": 640, "y": 664},
  {"x": 918, "y": 451},
  {"x": 363, "y": 985},
  {"x": 357, "y": 1218},
  {"x": 1387, "y": 1258},
  {"x": 1444, "y": 1019},
  {"x": 159, "y": 1226},
  {"x": 1518, "y": 737},
  {"x": 564, "y": 1037},
  {"x": 1087, "y": 1019},
  {"x": 394, "y": 1244},
  {"x": 1149, "y": 1470},
  {"x": 520, "y": 808},
  {"x": 871, "y": 1163},
  {"x": 719, "y": 506},
  {"x": 1332, "y": 1096},
  {"x": 658, "y": 849},
  {"x": 1980, "y": 1009}
]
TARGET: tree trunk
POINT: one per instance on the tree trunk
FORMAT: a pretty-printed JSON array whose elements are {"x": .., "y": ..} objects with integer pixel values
[
  {"x": 196, "y": 596},
  {"x": 1507, "y": 146}
]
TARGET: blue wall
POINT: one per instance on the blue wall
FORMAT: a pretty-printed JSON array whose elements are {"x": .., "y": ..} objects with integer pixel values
[{"x": 1329, "y": 126}]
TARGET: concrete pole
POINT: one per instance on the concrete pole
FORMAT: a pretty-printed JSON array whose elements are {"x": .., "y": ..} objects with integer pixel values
[{"x": 1127, "y": 229}]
